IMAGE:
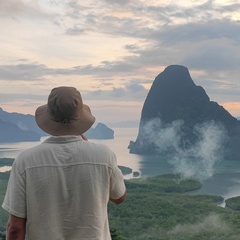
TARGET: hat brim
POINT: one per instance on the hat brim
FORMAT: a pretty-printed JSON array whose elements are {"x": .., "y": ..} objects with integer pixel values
[{"x": 76, "y": 127}]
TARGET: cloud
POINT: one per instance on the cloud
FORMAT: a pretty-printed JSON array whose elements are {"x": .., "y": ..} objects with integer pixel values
[
  {"x": 171, "y": 22},
  {"x": 135, "y": 87},
  {"x": 132, "y": 91},
  {"x": 35, "y": 71},
  {"x": 11, "y": 7},
  {"x": 7, "y": 98},
  {"x": 195, "y": 45},
  {"x": 76, "y": 30},
  {"x": 39, "y": 90},
  {"x": 34, "y": 9},
  {"x": 194, "y": 32},
  {"x": 114, "y": 42},
  {"x": 118, "y": 2},
  {"x": 23, "y": 71},
  {"x": 211, "y": 225},
  {"x": 220, "y": 56},
  {"x": 191, "y": 160}
]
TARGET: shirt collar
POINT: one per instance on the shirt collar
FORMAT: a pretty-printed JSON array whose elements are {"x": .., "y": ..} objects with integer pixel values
[{"x": 63, "y": 139}]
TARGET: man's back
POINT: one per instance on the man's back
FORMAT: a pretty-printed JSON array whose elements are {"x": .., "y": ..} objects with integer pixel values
[{"x": 63, "y": 187}]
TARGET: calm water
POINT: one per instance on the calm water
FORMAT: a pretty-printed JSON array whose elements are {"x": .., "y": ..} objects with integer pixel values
[{"x": 224, "y": 180}]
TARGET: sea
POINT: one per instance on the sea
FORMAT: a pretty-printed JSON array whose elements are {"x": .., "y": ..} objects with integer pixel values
[{"x": 223, "y": 180}]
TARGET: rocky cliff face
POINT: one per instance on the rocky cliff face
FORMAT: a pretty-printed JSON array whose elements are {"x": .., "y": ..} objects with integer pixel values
[{"x": 177, "y": 115}]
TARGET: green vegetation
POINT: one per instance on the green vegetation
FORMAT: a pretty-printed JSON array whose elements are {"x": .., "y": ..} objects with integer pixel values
[
  {"x": 2, "y": 236},
  {"x": 164, "y": 183},
  {"x": 233, "y": 203},
  {"x": 4, "y": 176},
  {"x": 116, "y": 235},
  {"x": 157, "y": 208},
  {"x": 3, "y": 214}
]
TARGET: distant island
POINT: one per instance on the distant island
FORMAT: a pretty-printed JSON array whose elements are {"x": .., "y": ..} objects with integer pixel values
[
  {"x": 177, "y": 115},
  {"x": 17, "y": 127},
  {"x": 101, "y": 131}
]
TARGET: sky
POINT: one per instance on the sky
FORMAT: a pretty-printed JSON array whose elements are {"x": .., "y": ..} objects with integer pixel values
[{"x": 112, "y": 50}]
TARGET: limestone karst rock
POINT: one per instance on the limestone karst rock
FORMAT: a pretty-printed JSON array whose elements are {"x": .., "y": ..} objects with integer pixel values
[
  {"x": 177, "y": 106},
  {"x": 101, "y": 131}
]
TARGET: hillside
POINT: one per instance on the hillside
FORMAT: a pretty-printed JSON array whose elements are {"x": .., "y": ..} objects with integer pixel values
[
  {"x": 17, "y": 127},
  {"x": 25, "y": 122},
  {"x": 158, "y": 208},
  {"x": 177, "y": 115},
  {"x": 10, "y": 132}
]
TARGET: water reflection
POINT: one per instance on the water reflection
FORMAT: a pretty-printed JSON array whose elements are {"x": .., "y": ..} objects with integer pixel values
[{"x": 11, "y": 150}]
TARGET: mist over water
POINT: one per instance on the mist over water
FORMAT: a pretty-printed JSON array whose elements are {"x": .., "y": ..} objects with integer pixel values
[
  {"x": 197, "y": 160},
  {"x": 225, "y": 174}
]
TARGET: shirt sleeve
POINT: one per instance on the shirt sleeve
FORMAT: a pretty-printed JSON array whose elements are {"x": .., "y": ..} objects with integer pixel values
[
  {"x": 117, "y": 185},
  {"x": 15, "y": 198}
]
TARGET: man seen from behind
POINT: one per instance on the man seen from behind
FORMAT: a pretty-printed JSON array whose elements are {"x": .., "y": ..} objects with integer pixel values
[{"x": 59, "y": 189}]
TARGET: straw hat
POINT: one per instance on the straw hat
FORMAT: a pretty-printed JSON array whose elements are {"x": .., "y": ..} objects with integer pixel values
[{"x": 65, "y": 113}]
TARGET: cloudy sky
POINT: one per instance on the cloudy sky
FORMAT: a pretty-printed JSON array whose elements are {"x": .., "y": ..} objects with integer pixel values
[{"x": 112, "y": 50}]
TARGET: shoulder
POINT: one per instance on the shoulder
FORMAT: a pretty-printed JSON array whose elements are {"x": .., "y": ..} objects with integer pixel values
[
  {"x": 27, "y": 153},
  {"x": 24, "y": 158},
  {"x": 101, "y": 151}
]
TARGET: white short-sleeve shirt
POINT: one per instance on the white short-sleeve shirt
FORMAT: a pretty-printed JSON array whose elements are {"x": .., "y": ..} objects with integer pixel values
[{"x": 62, "y": 187}]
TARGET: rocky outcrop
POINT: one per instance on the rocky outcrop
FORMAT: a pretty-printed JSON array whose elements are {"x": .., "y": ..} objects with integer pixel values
[
  {"x": 175, "y": 103},
  {"x": 101, "y": 131}
]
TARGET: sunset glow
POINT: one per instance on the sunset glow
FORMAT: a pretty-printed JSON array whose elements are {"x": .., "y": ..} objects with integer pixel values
[{"x": 113, "y": 50}]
